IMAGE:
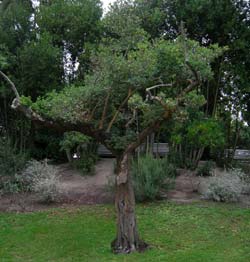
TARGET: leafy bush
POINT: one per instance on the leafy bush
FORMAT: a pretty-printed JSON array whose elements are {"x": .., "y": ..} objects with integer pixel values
[
  {"x": 11, "y": 162},
  {"x": 41, "y": 178},
  {"x": 86, "y": 164},
  {"x": 85, "y": 149},
  {"x": 226, "y": 187},
  {"x": 245, "y": 178},
  {"x": 206, "y": 169},
  {"x": 190, "y": 137},
  {"x": 150, "y": 175},
  {"x": 46, "y": 144}
]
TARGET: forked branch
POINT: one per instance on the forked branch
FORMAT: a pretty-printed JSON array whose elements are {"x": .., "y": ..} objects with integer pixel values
[{"x": 156, "y": 98}]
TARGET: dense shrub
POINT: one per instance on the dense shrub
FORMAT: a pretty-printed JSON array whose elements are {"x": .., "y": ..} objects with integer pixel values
[
  {"x": 85, "y": 164},
  {"x": 84, "y": 148},
  {"x": 206, "y": 169},
  {"x": 41, "y": 178},
  {"x": 46, "y": 144},
  {"x": 150, "y": 175},
  {"x": 11, "y": 162},
  {"x": 226, "y": 187},
  {"x": 245, "y": 178}
]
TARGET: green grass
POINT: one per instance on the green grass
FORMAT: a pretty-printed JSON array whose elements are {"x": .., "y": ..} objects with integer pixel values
[{"x": 185, "y": 233}]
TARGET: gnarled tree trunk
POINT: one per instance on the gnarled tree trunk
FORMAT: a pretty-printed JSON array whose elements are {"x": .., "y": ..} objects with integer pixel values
[{"x": 127, "y": 239}]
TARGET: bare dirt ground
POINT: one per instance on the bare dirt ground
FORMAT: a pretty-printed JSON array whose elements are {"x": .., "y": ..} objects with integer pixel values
[
  {"x": 87, "y": 189},
  {"x": 185, "y": 189},
  {"x": 79, "y": 190},
  {"x": 189, "y": 188},
  {"x": 75, "y": 188}
]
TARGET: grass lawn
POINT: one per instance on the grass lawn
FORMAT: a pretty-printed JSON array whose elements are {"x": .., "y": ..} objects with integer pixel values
[{"x": 184, "y": 233}]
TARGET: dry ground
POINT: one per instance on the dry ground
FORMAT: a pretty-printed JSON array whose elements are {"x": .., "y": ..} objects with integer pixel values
[
  {"x": 75, "y": 188},
  {"x": 78, "y": 190}
]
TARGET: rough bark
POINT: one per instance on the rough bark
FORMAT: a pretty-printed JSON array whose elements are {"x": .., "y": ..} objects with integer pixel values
[{"x": 127, "y": 239}]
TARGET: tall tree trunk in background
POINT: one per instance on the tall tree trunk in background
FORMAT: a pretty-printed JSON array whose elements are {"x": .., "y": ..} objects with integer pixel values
[
  {"x": 69, "y": 155},
  {"x": 127, "y": 239},
  {"x": 236, "y": 136}
]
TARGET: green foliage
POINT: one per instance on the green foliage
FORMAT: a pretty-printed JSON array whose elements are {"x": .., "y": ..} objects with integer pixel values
[
  {"x": 11, "y": 163},
  {"x": 68, "y": 105},
  {"x": 123, "y": 27},
  {"x": 150, "y": 176},
  {"x": 26, "y": 101},
  {"x": 73, "y": 139},
  {"x": 74, "y": 26},
  {"x": 86, "y": 163},
  {"x": 194, "y": 101},
  {"x": 224, "y": 22},
  {"x": 85, "y": 149},
  {"x": 206, "y": 169},
  {"x": 117, "y": 74},
  {"x": 191, "y": 134},
  {"x": 46, "y": 144},
  {"x": 45, "y": 71},
  {"x": 34, "y": 45},
  {"x": 133, "y": 54},
  {"x": 207, "y": 132},
  {"x": 71, "y": 21},
  {"x": 15, "y": 23},
  {"x": 3, "y": 57}
]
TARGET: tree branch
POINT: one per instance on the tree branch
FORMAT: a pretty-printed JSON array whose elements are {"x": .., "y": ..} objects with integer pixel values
[
  {"x": 142, "y": 135},
  {"x": 12, "y": 85},
  {"x": 165, "y": 116},
  {"x": 157, "y": 98},
  {"x": 148, "y": 90},
  {"x": 62, "y": 126},
  {"x": 188, "y": 89},
  {"x": 104, "y": 112},
  {"x": 195, "y": 73},
  {"x": 184, "y": 38},
  {"x": 132, "y": 119},
  {"x": 130, "y": 93}
]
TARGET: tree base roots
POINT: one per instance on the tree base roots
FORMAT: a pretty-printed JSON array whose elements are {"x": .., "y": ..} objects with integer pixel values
[{"x": 126, "y": 249}]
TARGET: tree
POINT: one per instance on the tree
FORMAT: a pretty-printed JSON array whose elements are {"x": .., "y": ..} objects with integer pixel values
[
  {"x": 149, "y": 82},
  {"x": 44, "y": 72},
  {"x": 74, "y": 27},
  {"x": 225, "y": 22},
  {"x": 36, "y": 42},
  {"x": 195, "y": 132}
]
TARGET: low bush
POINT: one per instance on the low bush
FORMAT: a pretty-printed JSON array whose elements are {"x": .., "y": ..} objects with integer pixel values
[
  {"x": 226, "y": 187},
  {"x": 85, "y": 150},
  {"x": 245, "y": 178},
  {"x": 86, "y": 163},
  {"x": 41, "y": 178},
  {"x": 206, "y": 169},
  {"x": 150, "y": 175},
  {"x": 11, "y": 162}
]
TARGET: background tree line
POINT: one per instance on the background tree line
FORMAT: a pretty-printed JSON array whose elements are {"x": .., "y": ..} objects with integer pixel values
[{"x": 47, "y": 46}]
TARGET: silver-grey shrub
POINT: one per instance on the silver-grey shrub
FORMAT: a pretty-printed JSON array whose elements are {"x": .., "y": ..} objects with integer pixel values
[
  {"x": 226, "y": 187},
  {"x": 41, "y": 178}
]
